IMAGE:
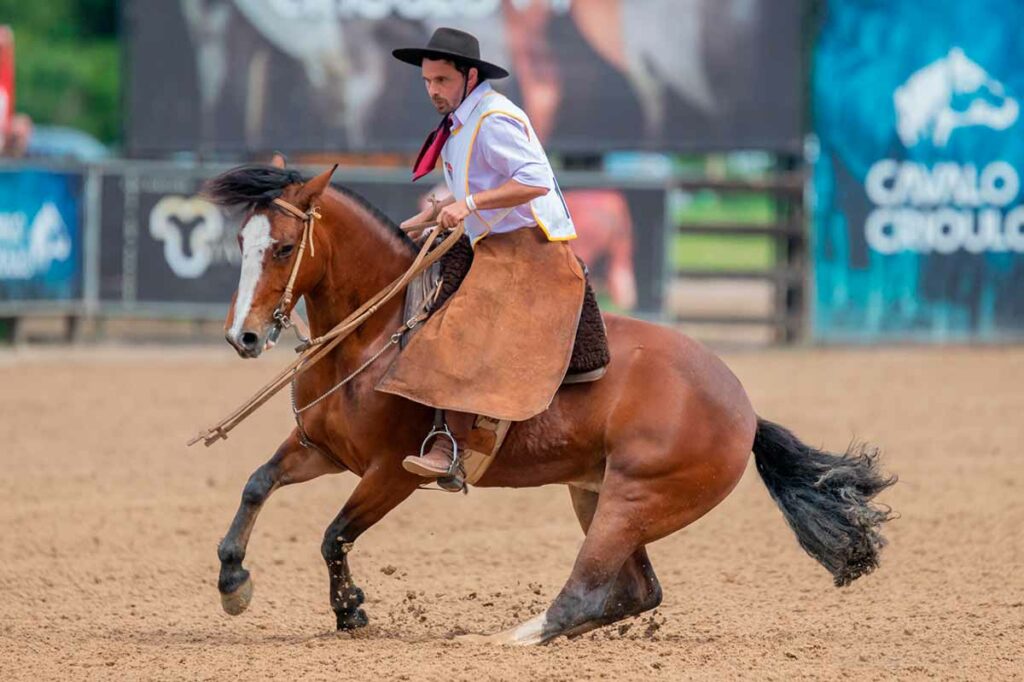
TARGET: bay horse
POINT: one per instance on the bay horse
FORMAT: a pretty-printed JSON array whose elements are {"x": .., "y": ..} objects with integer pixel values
[{"x": 651, "y": 447}]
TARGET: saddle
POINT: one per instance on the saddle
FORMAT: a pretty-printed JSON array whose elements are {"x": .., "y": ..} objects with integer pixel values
[
  {"x": 428, "y": 292},
  {"x": 590, "y": 354}
]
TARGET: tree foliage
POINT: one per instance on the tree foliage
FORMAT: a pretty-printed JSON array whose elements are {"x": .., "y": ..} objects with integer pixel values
[{"x": 68, "y": 63}]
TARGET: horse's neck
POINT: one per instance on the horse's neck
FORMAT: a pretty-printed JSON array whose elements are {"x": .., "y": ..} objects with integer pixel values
[{"x": 364, "y": 256}]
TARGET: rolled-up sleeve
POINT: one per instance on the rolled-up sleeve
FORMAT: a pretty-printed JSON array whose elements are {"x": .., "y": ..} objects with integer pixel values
[{"x": 505, "y": 146}]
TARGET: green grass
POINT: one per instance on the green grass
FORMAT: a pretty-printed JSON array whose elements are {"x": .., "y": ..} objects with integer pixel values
[
  {"x": 707, "y": 206},
  {"x": 64, "y": 82},
  {"x": 708, "y": 252},
  {"x": 728, "y": 252},
  {"x": 68, "y": 63}
]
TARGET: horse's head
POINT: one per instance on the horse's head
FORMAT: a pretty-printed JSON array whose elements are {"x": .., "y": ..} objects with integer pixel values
[{"x": 271, "y": 239}]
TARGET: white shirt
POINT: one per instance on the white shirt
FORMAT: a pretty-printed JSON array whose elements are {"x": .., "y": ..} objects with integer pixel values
[{"x": 505, "y": 147}]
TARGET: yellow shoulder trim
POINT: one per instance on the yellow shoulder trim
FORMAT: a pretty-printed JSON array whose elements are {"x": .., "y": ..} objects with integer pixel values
[
  {"x": 456, "y": 131},
  {"x": 472, "y": 141},
  {"x": 474, "y": 240},
  {"x": 544, "y": 228}
]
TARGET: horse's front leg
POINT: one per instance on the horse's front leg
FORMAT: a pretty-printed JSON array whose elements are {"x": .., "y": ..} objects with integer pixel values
[
  {"x": 381, "y": 489},
  {"x": 292, "y": 463}
]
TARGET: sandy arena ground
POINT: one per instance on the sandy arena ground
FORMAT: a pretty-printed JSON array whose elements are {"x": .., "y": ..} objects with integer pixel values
[{"x": 108, "y": 564}]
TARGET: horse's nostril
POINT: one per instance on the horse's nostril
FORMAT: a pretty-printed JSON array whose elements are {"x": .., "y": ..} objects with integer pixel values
[{"x": 249, "y": 340}]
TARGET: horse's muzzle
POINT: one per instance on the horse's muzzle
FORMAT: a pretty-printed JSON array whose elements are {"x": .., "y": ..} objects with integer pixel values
[{"x": 248, "y": 343}]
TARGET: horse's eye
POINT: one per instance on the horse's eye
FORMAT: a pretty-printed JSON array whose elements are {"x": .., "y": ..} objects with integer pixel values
[{"x": 284, "y": 251}]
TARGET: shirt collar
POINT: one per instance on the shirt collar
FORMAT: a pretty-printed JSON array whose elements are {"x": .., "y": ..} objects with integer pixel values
[{"x": 469, "y": 104}]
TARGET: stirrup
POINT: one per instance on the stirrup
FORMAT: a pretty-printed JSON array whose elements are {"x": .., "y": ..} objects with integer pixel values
[{"x": 454, "y": 480}]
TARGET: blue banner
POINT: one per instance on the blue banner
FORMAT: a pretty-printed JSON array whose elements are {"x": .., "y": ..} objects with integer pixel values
[
  {"x": 918, "y": 218},
  {"x": 40, "y": 236}
]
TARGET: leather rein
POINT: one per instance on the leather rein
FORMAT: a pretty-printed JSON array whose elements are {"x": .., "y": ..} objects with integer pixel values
[{"x": 315, "y": 349}]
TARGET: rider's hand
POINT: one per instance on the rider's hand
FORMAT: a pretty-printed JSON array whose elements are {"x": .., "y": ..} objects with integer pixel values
[{"x": 452, "y": 214}]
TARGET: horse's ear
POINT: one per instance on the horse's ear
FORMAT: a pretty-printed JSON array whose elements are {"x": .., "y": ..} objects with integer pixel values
[
  {"x": 316, "y": 186},
  {"x": 279, "y": 160}
]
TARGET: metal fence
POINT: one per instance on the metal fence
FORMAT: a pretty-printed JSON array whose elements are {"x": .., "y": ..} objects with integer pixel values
[
  {"x": 788, "y": 274},
  {"x": 134, "y": 239}
]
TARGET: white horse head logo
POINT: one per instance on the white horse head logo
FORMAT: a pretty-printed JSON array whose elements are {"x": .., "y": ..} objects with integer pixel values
[
  {"x": 953, "y": 92},
  {"x": 48, "y": 239}
]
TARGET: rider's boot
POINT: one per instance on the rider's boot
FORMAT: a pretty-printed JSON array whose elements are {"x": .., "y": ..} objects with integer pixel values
[{"x": 437, "y": 461}]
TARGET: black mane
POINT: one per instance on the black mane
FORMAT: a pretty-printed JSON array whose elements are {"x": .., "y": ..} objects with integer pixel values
[
  {"x": 255, "y": 186},
  {"x": 252, "y": 186}
]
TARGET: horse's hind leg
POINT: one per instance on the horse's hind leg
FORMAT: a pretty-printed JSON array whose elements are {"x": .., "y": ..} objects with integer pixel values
[
  {"x": 292, "y": 463},
  {"x": 613, "y": 539},
  {"x": 636, "y": 588}
]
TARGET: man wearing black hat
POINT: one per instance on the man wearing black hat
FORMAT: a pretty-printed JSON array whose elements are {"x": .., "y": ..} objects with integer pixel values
[{"x": 500, "y": 346}]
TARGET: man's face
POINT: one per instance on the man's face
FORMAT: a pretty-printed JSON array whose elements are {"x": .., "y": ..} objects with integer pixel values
[{"x": 444, "y": 84}]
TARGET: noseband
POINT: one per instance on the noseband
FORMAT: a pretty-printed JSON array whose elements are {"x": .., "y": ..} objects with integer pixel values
[{"x": 282, "y": 313}]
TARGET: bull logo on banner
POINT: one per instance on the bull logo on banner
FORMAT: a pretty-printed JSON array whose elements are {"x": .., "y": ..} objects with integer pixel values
[{"x": 191, "y": 230}]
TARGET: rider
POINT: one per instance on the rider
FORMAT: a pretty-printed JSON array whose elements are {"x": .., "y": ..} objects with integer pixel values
[{"x": 501, "y": 345}]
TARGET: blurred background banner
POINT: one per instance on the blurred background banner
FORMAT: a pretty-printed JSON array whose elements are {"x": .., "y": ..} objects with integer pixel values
[
  {"x": 40, "y": 236},
  {"x": 918, "y": 223},
  {"x": 165, "y": 248},
  {"x": 249, "y": 76},
  {"x": 162, "y": 243}
]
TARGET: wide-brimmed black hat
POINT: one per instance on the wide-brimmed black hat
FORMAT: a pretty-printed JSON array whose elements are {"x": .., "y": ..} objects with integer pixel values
[{"x": 453, "y": 44}]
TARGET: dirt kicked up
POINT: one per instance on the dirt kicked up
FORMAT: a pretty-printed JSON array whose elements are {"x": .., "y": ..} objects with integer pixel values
[{"x": 108, "y": 562}]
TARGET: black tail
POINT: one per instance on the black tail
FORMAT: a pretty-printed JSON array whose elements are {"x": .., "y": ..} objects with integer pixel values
[{"x": 826, "y": 499}]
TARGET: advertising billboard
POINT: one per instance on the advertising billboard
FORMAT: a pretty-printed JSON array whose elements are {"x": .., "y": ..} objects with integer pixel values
[
  {"x": 919, "y": 215},
  {"x": 40, "y": 236},
  {"x": 250, "y": 76}
]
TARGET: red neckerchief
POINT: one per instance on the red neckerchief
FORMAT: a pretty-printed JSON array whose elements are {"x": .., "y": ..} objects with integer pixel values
[{"x": 431, "y": 149}]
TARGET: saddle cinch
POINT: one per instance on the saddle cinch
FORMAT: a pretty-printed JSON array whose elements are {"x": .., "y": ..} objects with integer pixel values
[{"x": 590, "y": 355}]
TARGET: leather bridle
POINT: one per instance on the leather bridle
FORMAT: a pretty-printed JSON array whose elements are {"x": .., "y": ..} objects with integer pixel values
[{"x": 282, "y": 313}]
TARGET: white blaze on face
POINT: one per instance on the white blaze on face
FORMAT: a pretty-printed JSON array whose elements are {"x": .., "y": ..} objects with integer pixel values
[{"x": 255, "y": 242}]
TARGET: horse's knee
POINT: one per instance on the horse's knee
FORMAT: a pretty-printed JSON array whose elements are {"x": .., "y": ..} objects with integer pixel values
[
  {"x": 334, "y": 546},
  {"x": 258, "y": 487}
]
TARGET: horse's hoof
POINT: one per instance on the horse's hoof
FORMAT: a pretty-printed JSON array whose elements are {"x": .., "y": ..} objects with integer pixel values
[
  {"x": 236, "y": 602},
  {"x": 531, "y": 633},
  {"x": 499, "y": 639},
  {"x": 352, "y": 620}
]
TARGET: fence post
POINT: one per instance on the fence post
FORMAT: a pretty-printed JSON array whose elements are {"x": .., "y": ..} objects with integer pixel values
[{"x": 91, "y": 248}]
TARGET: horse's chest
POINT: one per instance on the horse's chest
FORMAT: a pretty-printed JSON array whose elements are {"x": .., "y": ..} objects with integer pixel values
[{"x": 356, "y": 423}]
